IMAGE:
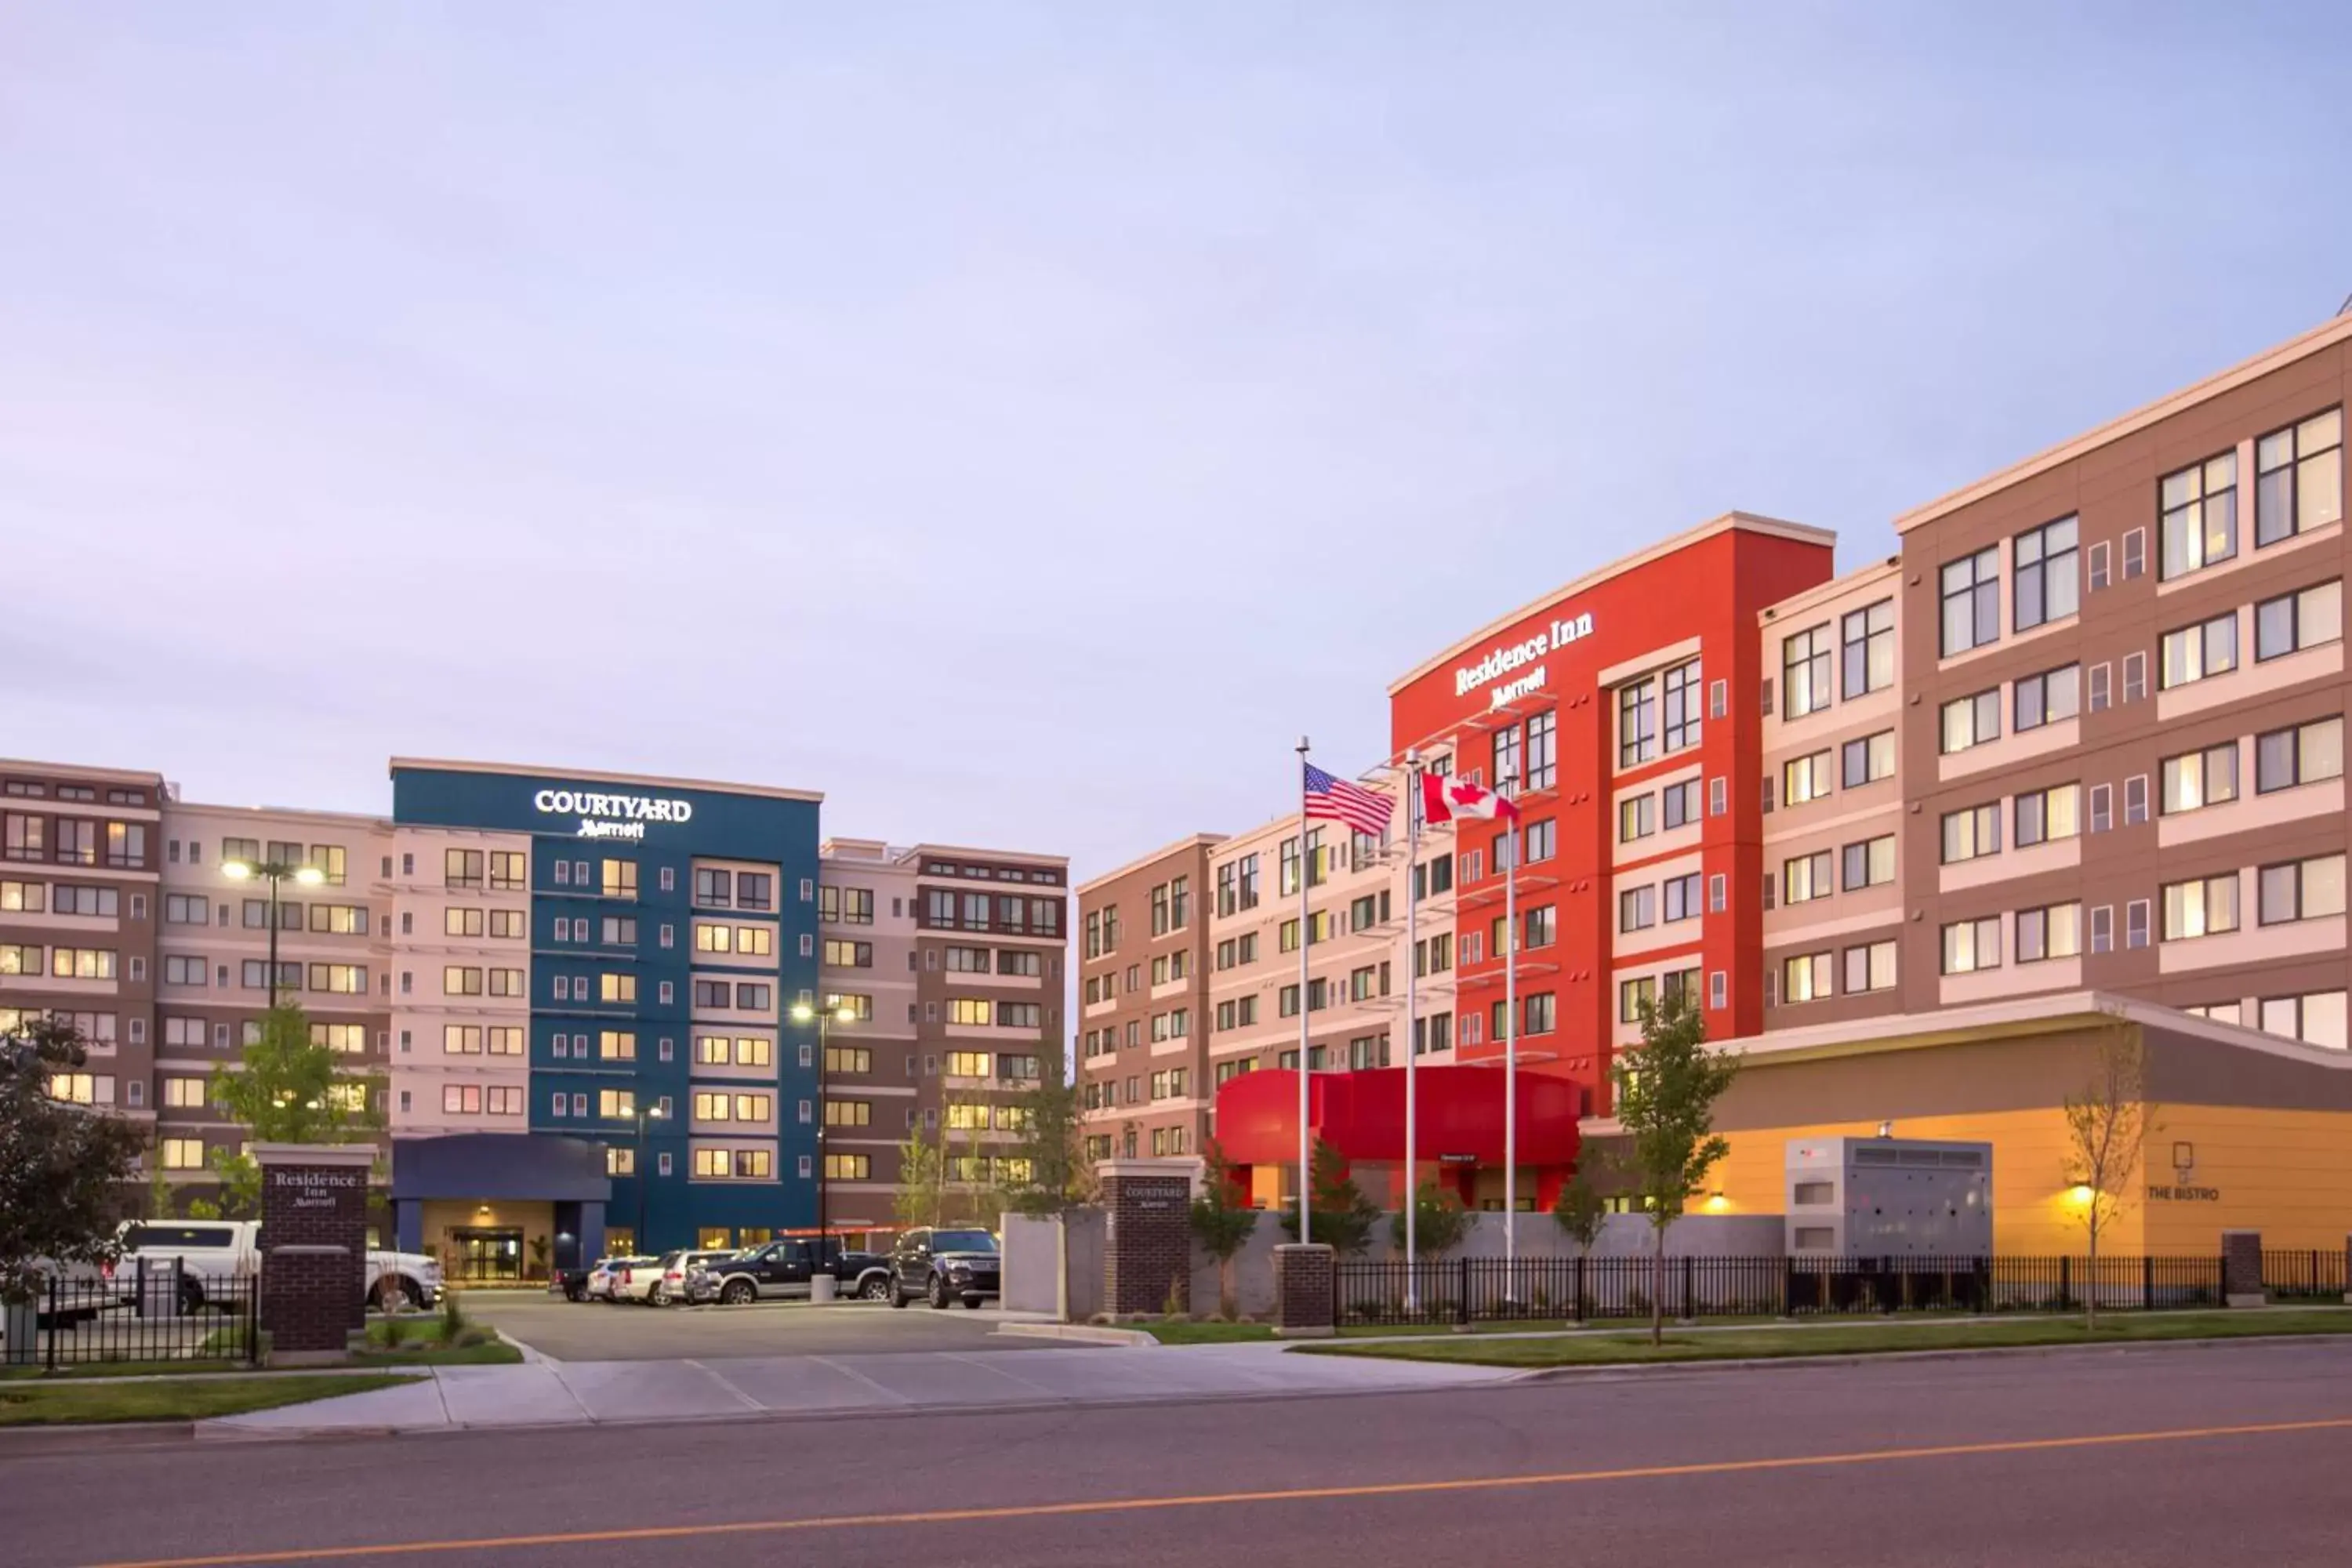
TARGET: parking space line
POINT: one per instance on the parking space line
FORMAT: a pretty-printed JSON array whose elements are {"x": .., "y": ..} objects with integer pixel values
[
  {"x": 852, "y": 1373},
  {"x": 747, "y": 1401}
]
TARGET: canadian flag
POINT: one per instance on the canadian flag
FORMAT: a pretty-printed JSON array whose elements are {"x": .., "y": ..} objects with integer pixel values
[{"x": 1444, "y": 798}]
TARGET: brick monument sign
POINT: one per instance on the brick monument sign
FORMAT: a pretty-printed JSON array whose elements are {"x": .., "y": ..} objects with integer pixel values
[
  {"x": 1147, "y": 1232},
  {"x": 314, "y": 1199}
]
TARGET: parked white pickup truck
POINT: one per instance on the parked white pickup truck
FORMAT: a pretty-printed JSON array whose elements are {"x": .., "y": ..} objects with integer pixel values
[{"x": 208, "y": 1248}]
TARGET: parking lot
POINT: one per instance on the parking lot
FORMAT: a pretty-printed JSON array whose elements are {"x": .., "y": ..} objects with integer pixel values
[{"x": 591, "y": 1331}]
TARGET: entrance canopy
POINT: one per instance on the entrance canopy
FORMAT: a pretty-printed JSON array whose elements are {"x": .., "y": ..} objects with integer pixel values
[{"x": 1458, "y": 1116}]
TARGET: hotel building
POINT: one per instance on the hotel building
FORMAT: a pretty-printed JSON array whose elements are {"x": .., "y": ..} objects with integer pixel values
[
  {"x": 2068, "y": 763},
  {"x": 575, "y": 991}
]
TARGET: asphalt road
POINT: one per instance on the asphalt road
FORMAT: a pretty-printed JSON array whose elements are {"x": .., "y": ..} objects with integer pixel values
[
  {"x": 591, "y": 1330},
  {"x": 2127, "y": 1458}
]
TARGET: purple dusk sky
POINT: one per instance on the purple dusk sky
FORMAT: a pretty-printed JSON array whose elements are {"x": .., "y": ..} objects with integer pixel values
[{"x": 1022, "y": 422}]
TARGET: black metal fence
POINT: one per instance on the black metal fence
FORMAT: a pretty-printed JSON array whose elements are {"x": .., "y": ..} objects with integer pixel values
[
  {"x": 142, "y": 1316},
  {"x": 1474, "y": 1289},
  {"x": 2312, "y": 1276}
]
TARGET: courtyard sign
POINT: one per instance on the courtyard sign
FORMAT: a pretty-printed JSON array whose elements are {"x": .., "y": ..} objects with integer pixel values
[
  {"x": 1501, "y": 661},
  {"x": 610, "y": 815}
]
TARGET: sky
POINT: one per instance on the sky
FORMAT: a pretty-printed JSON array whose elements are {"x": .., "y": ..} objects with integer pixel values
[{"x": 1022, "y": 422}]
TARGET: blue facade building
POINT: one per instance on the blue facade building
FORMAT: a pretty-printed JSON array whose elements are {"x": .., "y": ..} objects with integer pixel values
[{"x": 630, "y": 949}]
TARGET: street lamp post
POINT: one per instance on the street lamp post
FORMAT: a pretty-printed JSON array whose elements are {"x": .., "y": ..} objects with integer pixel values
[
  {"x": 273, "y": 872},
  {"x": 835, "y": 1010},
  {"x": 638, "y": 1241}
]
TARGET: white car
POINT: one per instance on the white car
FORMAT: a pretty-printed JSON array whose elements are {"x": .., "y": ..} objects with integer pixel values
[
  {"x": 216, "y": 1248},
  {"x": 634, "y": 1279}
]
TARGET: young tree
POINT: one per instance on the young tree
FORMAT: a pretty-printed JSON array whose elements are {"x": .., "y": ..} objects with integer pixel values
[
  {"x": 62, "y": 1169},
  {"x": 1439, "y": 1220},
  {"x": 922, "y": 1181},
  {"x": 1045, "y": 1174},
  {"x": 287, "y": 1088},
  {"x": 2106, "y": 1124},
  {"x": 158, "y": 1190},
  {"x": 1343, "y": 1216},
  {"x": 1580, "y": 1210},
  {"x": 1221, "y": 1226},
  {"x": 1667, "y": 1090}
]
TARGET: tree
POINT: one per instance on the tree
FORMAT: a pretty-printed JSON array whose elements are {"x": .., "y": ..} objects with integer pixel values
[
  {"x": 1439, "y": 1220},
  {"x": 1049, "y": 1173},
  {"x": 1580, "y": 1210},
  {"x": 158, "y": 1190},
  {"x": 62, "y": 1167},
  {"x": 1221, "y": 1226},
  {"x": 1343, "y": 1216},
  {"x": 2106, "y": 1124},
  {"x": 287, "y": 1088},
  {"x": 1667, "y": 1090},
  {"x": 922, "y": 1181}
]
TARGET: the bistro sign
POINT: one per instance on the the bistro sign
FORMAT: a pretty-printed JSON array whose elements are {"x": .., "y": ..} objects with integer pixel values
[
  {"x": 1501, "y": 661},
  {"x": 610, "y": 815}
]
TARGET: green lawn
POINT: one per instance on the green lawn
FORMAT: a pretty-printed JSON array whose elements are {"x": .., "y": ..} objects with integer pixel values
[
  {"x": 423, "y": 1340},
  {"x": 1853, "y": 1338},
  {"x": 1233, "y": 1333},
  {"x": 189, "y": 1399}
]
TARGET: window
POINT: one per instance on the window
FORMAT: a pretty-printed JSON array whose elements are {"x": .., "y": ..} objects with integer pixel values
[
  {"x": 177, "y": 970},
  {"x": 75, "y": 843},
  {"x": 1805, "y": 671},
  {"x": 1869, "y": 647},
  {"x": 2295, "y": 621},
  {"x": 843, "y": 1112},
  {"x": 126, "y": 844},
  {"x": 2054, "y": 932},
  {"x": 2047, "y": 697},
  {"x": 1507, "y": 758},
  {"x": 461, "y": 1099},
  {"x": 838, "y": 953},
  {"x": 184, "y": 1154},
  {"x": 2317, "y": 1019},
  {"x": 2192, "y": 653},
  {"x": 1971, "y": 832},
  {"x": 1678, "y": 804},
  {"x": 2136, "y": 923},
  {"x": 461, "y": 867},
  {"x": 2103, "y": 928},
  {"x": 340, "y": 979},
  {"x": 1869, "y": 758},
  {"x": 620, "y": 880},
  {"x": 613, "y": 988},
  {"x": 1682, "y": 897},
  {"x": 1540, "y": 838},
  {"x": 74, "y": 899},
  {"x": 1637, "y": 817},
  {"x": 967, "y": 1010},
  {"x": 1971, "y": 601},
  {"x": 2134, "y": 800},
  {"x": 2046, "y": 587},
  {"x": 1805, "y": 978},
  {"x": 2046, "y": 814},
  {"x": 1870, "y": 863},
  {"x": 1971, "y": 945},
  {"x": 1804, "y": 878},
  {"x": 1637, "y": 723},
  {"x": 620, "y": 930},
  {"x": 503, "y": 1040},
  {"x": 2200, "y": 779},
  {"x": 2201, "y": 907},
  {"x": 1870, "y": 967},
  {"x": 1632, "y": 996},
  {"x": 616, "y": 1045},
  {"x": 509, "y": 870},
  {"x": 2302, "y": 889},
  {"x": 2199, "y": 524},
  {"x": 1804, "y": 779},
  {"x": 1540, "y": 1011},
  {"x": 2299, "y": 478},
  {"x": 2304, "y": 753},
  {"x": 2101, "y": 802},
  {"x": 1543, "y": 740},
  {"x": 1714, "y": 893},
  {"x": 1637, "y": 909},
  {"x": 459, "y": 920},
  {"x": 2134, "y": 676},
  {"x": 2102, "y": 682},
  {"x": 713, "y": 889},
  {"x": 1971, "y": 720}
]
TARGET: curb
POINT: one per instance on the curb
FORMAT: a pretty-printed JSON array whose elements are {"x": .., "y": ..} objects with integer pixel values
[
  {"x": 68, "y": 1437},
  {"x": 1854, "y": 1358},
  {"x": 1081, "y": 1333}
]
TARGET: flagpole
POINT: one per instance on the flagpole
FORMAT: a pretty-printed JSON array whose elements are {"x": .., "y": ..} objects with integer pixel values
[
  {"x": 1305, "y": 1159},
  {"x": 1411, "y": 1017},
  {"x": 1511, "y": 1054}
]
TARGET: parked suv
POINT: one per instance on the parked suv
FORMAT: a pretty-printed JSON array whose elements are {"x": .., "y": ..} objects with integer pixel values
[
  {"x": 683, "y": 1277},
  {"x": 783, "y": 1268},
  {"x": 943, "y": 1266}
]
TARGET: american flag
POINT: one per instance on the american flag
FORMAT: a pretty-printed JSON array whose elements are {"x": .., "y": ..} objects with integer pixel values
[{"x": 1339, "y": 801}]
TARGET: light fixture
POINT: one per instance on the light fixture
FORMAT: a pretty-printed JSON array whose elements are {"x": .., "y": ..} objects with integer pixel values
[
  {"x": 309, "y": 876},
  {"x": 237, "y": 870},
  {"x": 803, "y": 1011},
  {"x": 2079, "y": 1193}
]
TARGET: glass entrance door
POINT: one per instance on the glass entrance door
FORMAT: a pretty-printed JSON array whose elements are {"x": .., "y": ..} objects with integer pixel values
[{"x": 485, "y": 1254}]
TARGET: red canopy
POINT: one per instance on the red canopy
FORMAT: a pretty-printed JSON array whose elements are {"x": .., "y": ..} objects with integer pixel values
[{"x": 1361, "y": 1115}]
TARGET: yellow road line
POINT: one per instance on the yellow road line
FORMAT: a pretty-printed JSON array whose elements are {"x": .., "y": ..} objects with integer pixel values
[{"x": 1213, "y": 1499}]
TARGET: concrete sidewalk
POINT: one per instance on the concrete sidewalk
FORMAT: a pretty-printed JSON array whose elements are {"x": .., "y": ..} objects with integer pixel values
[{"x": 546, "y": 1392}]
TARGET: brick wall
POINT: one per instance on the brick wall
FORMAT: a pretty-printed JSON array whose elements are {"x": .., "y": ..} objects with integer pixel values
[
  {"x": 1148, "y": 1244},
  {"x": 310, "y": 1206},
  {"x": 1306, "y": 1287},
  {"x": 306, "y": 1297}
]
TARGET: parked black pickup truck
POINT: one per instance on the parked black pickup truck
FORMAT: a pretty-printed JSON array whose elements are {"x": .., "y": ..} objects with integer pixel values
[{"x": 783, "y": 1269}]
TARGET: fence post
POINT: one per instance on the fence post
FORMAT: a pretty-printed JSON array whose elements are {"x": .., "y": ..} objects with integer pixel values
[
  {"x": 1690, "y": 1307},
  {"x": 2147, "y": 1284},
  {"x": 1576, "y": 1312},
  {"x": 1462, "y": 1296},
  {"x": 54, "y": 1305},
  {"x": 2067, "y": 1284}
]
